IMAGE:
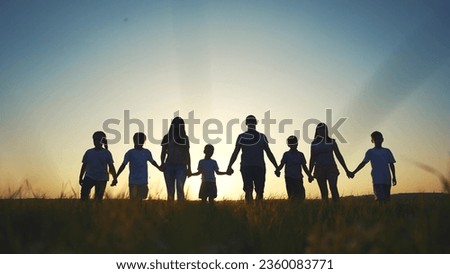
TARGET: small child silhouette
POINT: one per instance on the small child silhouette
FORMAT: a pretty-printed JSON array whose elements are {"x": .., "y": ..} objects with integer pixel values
[
  {"x": 294, "y": 161},
  {"x": 94, "y": 171},
  {"x": 208, "y": 167},
  {"x": 381, "y": 160},
  {"x": 138, "y": 157}
]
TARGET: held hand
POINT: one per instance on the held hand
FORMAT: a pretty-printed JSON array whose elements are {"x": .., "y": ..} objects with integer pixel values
[
  {"x": 394, "y": 181},
  {"x": 277, "y": 173},
  {"x": 114, "y": 182},
  {"x": 230, "y": 171},
  {"x": 350, "y": 174}
]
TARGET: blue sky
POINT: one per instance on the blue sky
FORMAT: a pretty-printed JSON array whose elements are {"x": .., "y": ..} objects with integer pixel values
[{"x": 66, "y": 67}]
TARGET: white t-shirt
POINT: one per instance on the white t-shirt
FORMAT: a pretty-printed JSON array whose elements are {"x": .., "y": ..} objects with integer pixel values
[
  {"x": 97, "y": 161},
  {"x": 138, "y": 159},
  {"x": 380, "y": 158},
  {"x": 207, "y": 168},
  {"x": 293, "y": 161}
]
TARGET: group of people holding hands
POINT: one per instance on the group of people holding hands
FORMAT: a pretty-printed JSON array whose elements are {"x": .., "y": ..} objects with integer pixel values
[{"x": 176, "y": 165}]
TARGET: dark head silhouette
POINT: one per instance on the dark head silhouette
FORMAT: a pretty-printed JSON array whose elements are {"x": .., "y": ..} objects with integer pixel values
[
  {"x": 139, "y": 139},
  {"x": 209, "y": 150},
  {"x": 251, "y": 121},
  {"x": 292, "y": 141},
  {"x": 321, "y": 134},
  {"x": 376, "y": 135},
  {"x": 99, "y": 138},
  {"x": 177, "y": 132},
  {"x": 377, "y": 138}
]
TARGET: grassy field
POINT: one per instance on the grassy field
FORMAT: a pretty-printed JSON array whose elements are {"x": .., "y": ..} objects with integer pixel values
[{"x": 416, "y": 223}]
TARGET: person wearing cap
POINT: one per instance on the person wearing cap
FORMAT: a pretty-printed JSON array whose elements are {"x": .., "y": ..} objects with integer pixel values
[{"x": 253, "y": 169}]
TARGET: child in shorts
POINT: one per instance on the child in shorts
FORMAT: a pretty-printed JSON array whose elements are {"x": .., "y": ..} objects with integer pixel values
[
  {"x": 208, "y": 167},
  {"x": 97, "y": 164},
  {"x": 294, "y": 160},
  {"x": 382, "y": 161},
  {"x": 138, "y": 158}
]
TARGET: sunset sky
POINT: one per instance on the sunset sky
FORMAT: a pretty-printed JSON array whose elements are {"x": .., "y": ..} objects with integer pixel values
[{"x": 66, "y": 67}]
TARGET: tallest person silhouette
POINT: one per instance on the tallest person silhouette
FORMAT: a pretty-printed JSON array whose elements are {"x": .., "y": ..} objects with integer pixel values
[{"x": 253, "y": 169}]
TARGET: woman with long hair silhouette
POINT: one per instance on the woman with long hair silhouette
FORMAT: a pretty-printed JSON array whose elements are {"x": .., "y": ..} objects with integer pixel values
[
  {"x": 175, "y": 159},
  {"x": 322, "y": 163}
]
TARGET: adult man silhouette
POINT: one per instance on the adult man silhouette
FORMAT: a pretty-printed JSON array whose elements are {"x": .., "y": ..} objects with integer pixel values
[{"x": 253, "y": 169}]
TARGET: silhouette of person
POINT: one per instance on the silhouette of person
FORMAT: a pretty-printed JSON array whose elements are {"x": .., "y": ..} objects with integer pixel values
[
  {"x": 253, "y": 169},
  {"x": 175, "y": 159},
  {"x": 208, "y": 167},
  {"x": 381, "y": 160},
  {"x": 294, "y": 160},
  {"x": 138, "y": 158},
  {"x": 94, "y": 170},
  {"x": 323, "y": 164}
]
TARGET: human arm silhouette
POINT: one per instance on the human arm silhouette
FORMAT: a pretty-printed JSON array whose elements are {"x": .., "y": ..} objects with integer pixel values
[
  {"x": 358, "y": 168},
  {"x": 188, "y": 163},
  {"x": 233, "y": 159},
  {"x": 82, "y": 172},
  {"x": 341, "y": 159},
  {"x": 310, "y": 177},
  {"x": 164, "y": 149},
  {"x": 270, "y": 155},
  {"x": 394, "y": 178},
  {"x": 112, "y": 170},
  {"x": 196, "y": 173},
  {"x": 155, "y": 164},
  {"x": 279, "y": 168},
  {"x": 121, "y": 168},
  {"x": 221, "y": 172},
  {"x": 312, "y": 164}
]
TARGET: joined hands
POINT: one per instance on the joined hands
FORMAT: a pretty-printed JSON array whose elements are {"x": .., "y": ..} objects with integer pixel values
[
  {"x": 230, "y": 171},
  {"x": 277, "y": 172}
]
